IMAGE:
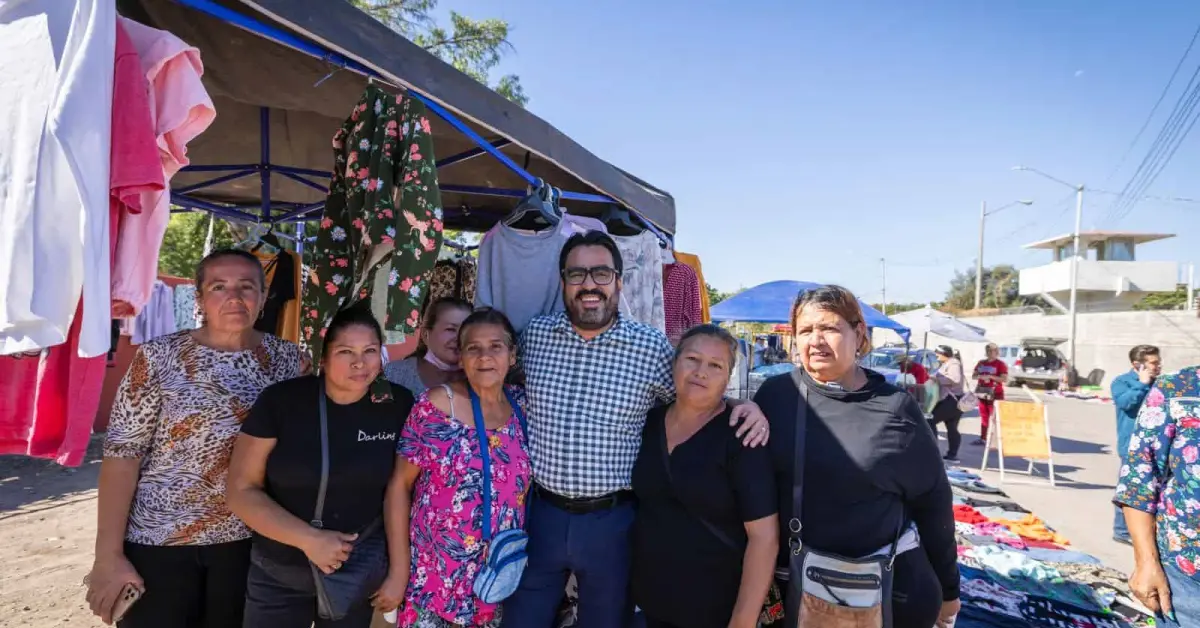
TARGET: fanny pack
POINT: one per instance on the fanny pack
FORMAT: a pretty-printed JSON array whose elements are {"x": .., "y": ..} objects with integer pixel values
[
  {"x": 505, "y": 557},
  {"x": 365, "y": 569},
  {"x": 826, "y": 590}
]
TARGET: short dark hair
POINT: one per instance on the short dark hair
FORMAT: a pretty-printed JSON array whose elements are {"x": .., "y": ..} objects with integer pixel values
[
  {"x": 710, "y": 330},
  {"x": 837, "y": 300},
  {"x": 489, "y": 316},
  {"x": 221, "y": 254},
  {"x": 357, "y": 314},
  {"x": 1141, "y": 352},
  {"x": 591, "y": 238},
  {"x": 433, "y": 312}
]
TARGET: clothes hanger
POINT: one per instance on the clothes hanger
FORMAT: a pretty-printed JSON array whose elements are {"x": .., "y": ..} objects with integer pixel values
[
  {"x": 618, "y": 218},
  {"x": 540, "y": 207}
]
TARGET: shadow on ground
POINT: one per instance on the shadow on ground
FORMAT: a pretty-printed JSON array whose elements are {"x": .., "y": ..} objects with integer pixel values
[{"x": 25, "y": 481}]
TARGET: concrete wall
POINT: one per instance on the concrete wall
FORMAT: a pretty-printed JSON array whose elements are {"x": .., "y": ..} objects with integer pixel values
[{"x": 1103, "y": 342}]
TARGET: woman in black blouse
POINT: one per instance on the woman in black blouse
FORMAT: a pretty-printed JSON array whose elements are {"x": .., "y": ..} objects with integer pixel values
[
  {"x": 871, "y": 461},
  {"x": 706, "y": 533}
]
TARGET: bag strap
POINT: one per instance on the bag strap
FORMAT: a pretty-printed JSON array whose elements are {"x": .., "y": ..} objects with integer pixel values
[
  {"x": 323, "y": 413},
  {"x": 485, "y": 453},
  {"x": 794, "y": 524}
]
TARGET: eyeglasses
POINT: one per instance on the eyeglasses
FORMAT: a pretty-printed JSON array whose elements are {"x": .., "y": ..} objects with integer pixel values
[{"x": 602, "y": 275}]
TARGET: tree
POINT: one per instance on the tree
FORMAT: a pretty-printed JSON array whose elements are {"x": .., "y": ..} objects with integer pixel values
[
  {"x": 473, "y": 47},
  {"x": 896, "y": 308},
  {"x": 1000, "y": 289},
  {"x": 183, "y": 243},
  {"x": 716, "y": 296},
  {"x": 1164, "y": 300}
]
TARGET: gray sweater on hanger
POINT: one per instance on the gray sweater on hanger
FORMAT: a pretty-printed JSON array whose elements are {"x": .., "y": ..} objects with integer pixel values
[{"x": 518, "y": 273}]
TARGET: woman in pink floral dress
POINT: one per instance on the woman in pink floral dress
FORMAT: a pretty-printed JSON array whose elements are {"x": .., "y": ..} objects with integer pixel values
[{"x": 435, "y": 499}]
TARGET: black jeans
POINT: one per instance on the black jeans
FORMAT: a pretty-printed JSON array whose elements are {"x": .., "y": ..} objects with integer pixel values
[
  {"x": 283, "y": 595},
  {"x": 189, "y": 586},
  {"x": 946, "y": 411}
]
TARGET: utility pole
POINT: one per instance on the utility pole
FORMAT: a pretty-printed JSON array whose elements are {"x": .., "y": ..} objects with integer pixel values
[
  {"x": 1191, "y": 291},
  {"x": 1075, "y": 275},
  {"x": 979, "y": 258},
  {"x": 883, "y": 272}
]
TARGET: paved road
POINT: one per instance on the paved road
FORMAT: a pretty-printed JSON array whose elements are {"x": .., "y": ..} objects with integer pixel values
[{"x": 1084, "y": 437}]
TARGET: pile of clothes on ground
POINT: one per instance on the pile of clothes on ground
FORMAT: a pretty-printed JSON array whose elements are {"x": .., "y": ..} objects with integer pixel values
[{"x": 1017, "y": 571}]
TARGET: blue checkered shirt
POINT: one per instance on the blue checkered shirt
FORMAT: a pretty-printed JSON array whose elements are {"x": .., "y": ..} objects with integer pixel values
[{"x": 588, "y": 401}]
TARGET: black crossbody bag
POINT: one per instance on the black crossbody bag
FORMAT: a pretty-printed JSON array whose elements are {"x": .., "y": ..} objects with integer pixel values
[
  {"x": 365, "y": 570},
  {"x": 826, "y": 590}
]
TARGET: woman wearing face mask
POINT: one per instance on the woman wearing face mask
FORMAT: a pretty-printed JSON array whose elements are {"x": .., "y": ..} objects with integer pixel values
[
  {"x": 952, "y": 380},
  {"x": 871, "y": 465},
  {"x": 435, "y": 361},
  {"x": 706, "y": 534},
  {"x": 434, "y": 509},
  {"x": 164, "y": 527},
  {"x": 275, "y": 476}
]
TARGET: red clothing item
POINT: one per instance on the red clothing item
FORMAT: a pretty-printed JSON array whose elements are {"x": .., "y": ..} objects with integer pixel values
[
  {"x": 917, "y": 371},
  {"x": 992, "y": 367},
  {"x": 966, "y": 514},
  {"x": 681, "y": 299}
]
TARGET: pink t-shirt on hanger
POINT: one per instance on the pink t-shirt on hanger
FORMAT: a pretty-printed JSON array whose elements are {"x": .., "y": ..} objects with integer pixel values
[{"x": 181, "y": 109}]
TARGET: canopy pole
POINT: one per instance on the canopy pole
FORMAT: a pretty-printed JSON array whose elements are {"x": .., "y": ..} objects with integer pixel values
[{"x": 264, "y": 161}]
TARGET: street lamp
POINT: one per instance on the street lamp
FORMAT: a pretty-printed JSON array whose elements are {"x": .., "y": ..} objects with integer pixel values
[
  {"x": 1074, "y": 255},
  {"x": 983, "y": 214}
]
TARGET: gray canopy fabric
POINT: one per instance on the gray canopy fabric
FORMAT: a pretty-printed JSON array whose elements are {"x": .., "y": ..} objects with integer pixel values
[{"x": 245, "y": 73}]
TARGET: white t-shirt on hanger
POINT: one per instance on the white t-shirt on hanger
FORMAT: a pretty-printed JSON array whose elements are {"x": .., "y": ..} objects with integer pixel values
[{"x": 55, "y": 137}]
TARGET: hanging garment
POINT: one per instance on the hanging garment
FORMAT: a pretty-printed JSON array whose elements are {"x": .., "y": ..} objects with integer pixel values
[
  {"x": 383, "y": 217},
  {"x": 282, "y": 271},
  {"x": 180, "y": 109},
  {"x": 55, "y": 135},
  {"x": 185, "y": 306},
  {"x": 694, "y": 262},
  {"x": 681, "y": 299},
  {"x": 454, "y": 278},
  {"x": 157, "y": 318},
  {"x": 642, "y": 278},
  {"x": 518, "y": 273},
  {"x": 583, "y": 224}
]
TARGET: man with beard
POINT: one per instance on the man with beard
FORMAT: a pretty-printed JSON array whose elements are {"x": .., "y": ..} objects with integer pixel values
[{"x": 591, "y": 375}]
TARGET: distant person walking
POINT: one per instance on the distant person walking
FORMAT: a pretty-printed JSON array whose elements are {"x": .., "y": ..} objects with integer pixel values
[
  {"x": 1129, "y": 390},
  {"x": 990, "y": 375},
  {"x": 951, "y": 378}
]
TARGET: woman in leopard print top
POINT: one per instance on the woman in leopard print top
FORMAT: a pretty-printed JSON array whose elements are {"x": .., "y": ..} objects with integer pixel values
[{"x": 164, "y": 526}]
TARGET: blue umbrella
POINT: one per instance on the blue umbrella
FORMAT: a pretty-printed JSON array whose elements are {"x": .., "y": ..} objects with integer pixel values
[{"x": 771, "y": 302}]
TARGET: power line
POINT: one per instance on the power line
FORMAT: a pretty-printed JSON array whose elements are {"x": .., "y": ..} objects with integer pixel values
[{"x": 1154, "y": 109}]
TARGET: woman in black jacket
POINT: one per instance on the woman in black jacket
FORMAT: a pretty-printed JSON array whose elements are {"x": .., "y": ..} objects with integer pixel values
[{"x": 871, "y": 462}]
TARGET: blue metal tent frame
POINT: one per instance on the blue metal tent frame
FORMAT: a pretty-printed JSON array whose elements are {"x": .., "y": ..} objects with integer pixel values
[{"x": 296, "y": 212}]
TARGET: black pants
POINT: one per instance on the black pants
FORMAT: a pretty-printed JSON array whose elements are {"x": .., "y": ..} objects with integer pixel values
[
  {"x": 946, "y": 411},
  {"x": 189, "y": 586},
  {"x": 283, "y": 595}
]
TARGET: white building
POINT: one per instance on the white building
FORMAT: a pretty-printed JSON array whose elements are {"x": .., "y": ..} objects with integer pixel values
[{"x": 1110, "y": 276}]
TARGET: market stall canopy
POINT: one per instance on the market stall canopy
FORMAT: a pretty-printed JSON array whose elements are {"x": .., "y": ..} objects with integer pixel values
[
  {"x": 771, "y": 302},
  {"x": 930, "y": 321},
  {"x": 302, "y": 100}
]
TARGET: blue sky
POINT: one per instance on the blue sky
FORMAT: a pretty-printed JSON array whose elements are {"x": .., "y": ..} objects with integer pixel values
[{"x": 807, "y": 140}]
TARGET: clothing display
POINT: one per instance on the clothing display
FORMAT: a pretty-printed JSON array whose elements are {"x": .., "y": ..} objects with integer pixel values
[
  {"x": 382, "y": 219},
  {"x": 681, "y": 300},
  {"x": 362, "y": 454},
  {"x": 448, "y": 551},
  {"x": 180, "y": 109},
  {"x": 1159, "y": 472},
  {"x": 281, "y": 310},
  {"x": 184, "y": 431},
  {"x": 56, "y": 146},
  {"x": 186, "y": 313},
  {"x": 518, "y": 273},
  {"x": 157, "y": 318},
  {"x": 642, "y": 278},
  {"x": 693, "y": 262},
  {"x": 454, "y": 278}
]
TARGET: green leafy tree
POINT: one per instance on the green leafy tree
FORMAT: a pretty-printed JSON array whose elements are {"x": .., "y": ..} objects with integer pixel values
[
  {"x": 1000, "y": 289},
  {"x": 716, "y": 296},
  {"x": 1164, "y": 300},
  {"x": 896, "y": 308},
  {"x": 183, "y": 243},
  {"x": 474, "y": 47}
]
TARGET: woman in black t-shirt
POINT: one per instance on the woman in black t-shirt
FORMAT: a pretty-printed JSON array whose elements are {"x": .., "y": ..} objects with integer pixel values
[
  {"x": 871, "y": 465},
  {"x": 706, "y": 533},
  {"x": 276, "y": 471}
]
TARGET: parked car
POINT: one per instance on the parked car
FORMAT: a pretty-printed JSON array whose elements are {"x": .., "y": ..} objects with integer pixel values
[
  {"x": 886, "y": 361},
  {"x": 1039, "y": 363},
  {"x": 1009, "y": 355}
]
